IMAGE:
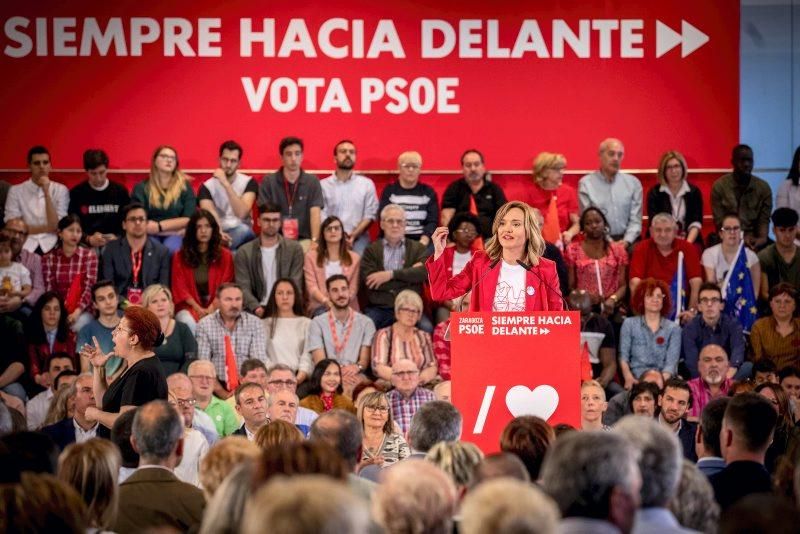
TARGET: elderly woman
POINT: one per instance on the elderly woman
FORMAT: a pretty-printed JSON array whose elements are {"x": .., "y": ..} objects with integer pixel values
[
  {"x": 596, "y": 263},
  {"x": 548, "y": 174},
  {"x": 675, "y": 195},
  {"x": 719, "y": 259},
  {"x": 404, "y": 341},
  {"x": 138, "y": 333},
  {"x": 382, "y": 445},
  {"x": 199, "y": 268},
  {"x": 649, "y": 339},
  {"x": 70, "y": 270},
  {"x": 287, "y": 329},
  {"x": 778, "y": 337},
  {"x": 179, "y": 348},
  {"x": 325, "y": 389},
  {"x": 167, "y": 197},
  {"x": 332, "y": 256},
  {"x": 92, "y": 468}
]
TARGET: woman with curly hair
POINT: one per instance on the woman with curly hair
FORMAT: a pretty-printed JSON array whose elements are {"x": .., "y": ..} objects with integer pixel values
[{"x": 198, "y": 268}]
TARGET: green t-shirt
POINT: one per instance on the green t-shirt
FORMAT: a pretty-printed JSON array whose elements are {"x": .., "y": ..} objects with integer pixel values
[
  {"x": 223, "y": 416},
  {"x": 184, "y": 206},
  {"x": 776, "y": 269}
]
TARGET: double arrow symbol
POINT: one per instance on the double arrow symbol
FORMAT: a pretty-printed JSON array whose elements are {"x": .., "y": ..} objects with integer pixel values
[{"x": 690, "y": 38}]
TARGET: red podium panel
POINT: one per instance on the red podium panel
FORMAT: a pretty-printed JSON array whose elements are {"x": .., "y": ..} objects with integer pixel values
[{"x": 511, "y": 364}]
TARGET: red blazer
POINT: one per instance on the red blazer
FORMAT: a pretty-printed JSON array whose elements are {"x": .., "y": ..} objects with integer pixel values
[
  {"x": 184, "y": 287},
  {"x": 443, "y": 287}
]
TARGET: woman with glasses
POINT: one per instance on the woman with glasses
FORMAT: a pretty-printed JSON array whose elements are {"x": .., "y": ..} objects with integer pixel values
[
  {"x": 167, "y": 197},
  {"x": 332, "y": 256},
  {"x": 719, "y": 259},
  {"x": 135, "y": 338},
  {"x": 548, "y": 183},
  {"x": 404, "y": 341},
  {"x": 382, "y": 445},
  {"x": 675, "y": 195},
  {"x": 463, "y": 230},
  {"x": 777, "y": 337},
  {"x": 649, "y": 340},
  {"x": 287, "y": 329},
  {"x": 180, "y": 346},
  {"x": 325, "y": 389}
]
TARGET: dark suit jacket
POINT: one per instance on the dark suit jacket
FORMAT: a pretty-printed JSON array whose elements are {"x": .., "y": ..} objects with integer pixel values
[
  {"x": 406, "y": 278},
  {"x": 152, "y": 497},
  {"x": 63, "y": 432},
  {"x": 686, "y": 437},
  {"x": 658, "y": 202},
  {"x": 117, "y": 264},
  {"x": 240, "y": 431},
  {"x": 738, "y": 480},
  {"x": 250, "y": 274}
]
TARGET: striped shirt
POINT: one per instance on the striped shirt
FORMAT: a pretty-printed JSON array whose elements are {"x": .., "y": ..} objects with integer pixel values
[
  {"x": 248, "y": 337},
  {"x": 768, "y": 343},
  {"x": 701, "y": 394},
  {"x": 403, "y": 409}
]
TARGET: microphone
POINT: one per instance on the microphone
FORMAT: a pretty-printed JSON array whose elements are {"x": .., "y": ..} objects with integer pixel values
[{"x": 529, "y": 268}]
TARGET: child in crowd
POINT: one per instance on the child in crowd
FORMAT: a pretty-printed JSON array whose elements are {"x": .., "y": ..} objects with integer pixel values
[{"x": 15, "y": 278}]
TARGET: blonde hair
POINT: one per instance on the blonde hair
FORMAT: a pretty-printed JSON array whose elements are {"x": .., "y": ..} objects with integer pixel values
[
  {"x": 593, "y": 384},
  {"x": 162, "y": 198},
  {"x": 535, "y": 243},
  {"x": 151, "y": 291},
  {"x": 456, "y": 458},
  {"x": 662, "y": 165},
  {"x": 92, "y": 469},
  {"x": 407, "y": 297},
  {"x": 222, "y": 458},
  {"x": 544, "y": 161},
  {"x": 61, "y": 406},
  {"x": 372, "y": 400},
  {"x": 410, "y": 155}
]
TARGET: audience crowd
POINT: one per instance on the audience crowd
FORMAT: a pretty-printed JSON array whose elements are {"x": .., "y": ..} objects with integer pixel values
[{"x": 245, "y": 357}]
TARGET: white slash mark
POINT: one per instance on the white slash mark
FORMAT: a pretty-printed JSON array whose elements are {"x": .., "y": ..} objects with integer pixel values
[{"x": 484, "y": 411}]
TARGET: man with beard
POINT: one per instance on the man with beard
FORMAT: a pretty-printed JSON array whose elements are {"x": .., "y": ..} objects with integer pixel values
[
  {"x": 476, "y": 190},
  {"x": 17, "y": 231},
  {"x": 229, "y": 195},
  {"x": 713, "y": 381},
  {"x": 675, "y": 401},
  {"x": 350, "y": 196}
]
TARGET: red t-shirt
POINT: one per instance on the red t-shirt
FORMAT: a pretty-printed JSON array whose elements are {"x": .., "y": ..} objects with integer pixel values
[
  {"x": 648, "y": 262},
  {"x": 566, "y": 201}
]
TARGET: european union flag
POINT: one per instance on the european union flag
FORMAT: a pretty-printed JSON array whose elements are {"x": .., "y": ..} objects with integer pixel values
[
  {"x": 740, "y": 299},
  {"x": 677, "y": 291}
]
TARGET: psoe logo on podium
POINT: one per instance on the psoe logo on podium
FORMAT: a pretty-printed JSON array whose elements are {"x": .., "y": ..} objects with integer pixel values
[{"x": 507, "y": 365}]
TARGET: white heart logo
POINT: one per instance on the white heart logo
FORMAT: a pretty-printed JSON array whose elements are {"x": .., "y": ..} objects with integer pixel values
[{"x": 541, "y": 402}]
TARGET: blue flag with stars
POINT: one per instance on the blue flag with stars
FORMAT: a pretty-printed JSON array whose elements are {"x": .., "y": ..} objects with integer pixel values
[
  {"x": 677, "y": 291},
  {"x": 740, "y": 299}
]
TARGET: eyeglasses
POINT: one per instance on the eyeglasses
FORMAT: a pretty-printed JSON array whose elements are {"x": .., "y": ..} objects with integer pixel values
[
  {"x": 731, "y": 229},
  {"x": 136, "y": 219},
  {"x": 283, "y": 383},
  {"x": 405, "y": 373},
  {"x": 119, "y": 329},
  {"x": 410, "y": 311},
  {"x": 185, "y": 403},
  {"x": 379, "y": 409},
  {"x": 710, "y": 300}
]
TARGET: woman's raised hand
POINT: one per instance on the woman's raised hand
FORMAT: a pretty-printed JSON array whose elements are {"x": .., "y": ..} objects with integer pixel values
[
  {"x": 94, "y": 354},
  {"x": 439, "y": 239}
]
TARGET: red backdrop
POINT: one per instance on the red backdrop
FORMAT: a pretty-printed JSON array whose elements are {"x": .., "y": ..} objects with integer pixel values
[{"x": 510, "y": 108}]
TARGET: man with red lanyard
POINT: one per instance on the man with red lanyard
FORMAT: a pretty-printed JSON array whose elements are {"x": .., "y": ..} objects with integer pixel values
[
  {"x": 297, "y": 192},
  {"x": 342, "y": 334},
  {"x": 135, "y": 261}
]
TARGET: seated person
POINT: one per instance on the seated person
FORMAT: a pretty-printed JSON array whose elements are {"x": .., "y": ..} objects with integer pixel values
[
  {"x": 286, "y": 329},
  {"x": 720, "y": 258},
  {"x": 135, "y": 261},
  {"x": 15, "y": 278},
  {"x": 46, "y": 333},
  {"x": 441, "y": 341},
  {"x": 39, "y": 201},
  {"x": 36, "y": 408},
  {"x": 106, "y": 304},
  {"x": 203, "y": 375},
  {"x": 643, "y": 398},
  {"x": 182, "y": 389},
  {"x": 765, "y": 372},
  {"x": 167, "y": 197},
  {"x": 199, "y": 268},
  {"x": 713, "y": 381},
  {"x": 463, "y": 230},
  {"x": 712, "y": 326},
  {"x": 674, "y": 194},
  {"x": 777, "y": 337},
  {"x": 229, "y": 196},
  {"x": 283, "y": 405},
  {"x": 17, "y": 231},
  {"x": 593, "y": 406},
  {"x": 619, "y": 405},
  {"x": 331, "y": 256},
  {"x": 548, "y": 183},
  {"x": 381, "y": 445},
  {"x": 598, "y": 340},
  {"x": 251, "y": 405},
  {"x": 195, "y": 447},
  {"x": 674, "y": 404},
  {"x": 787, "y": 436},
  {"x": 180, "y": 346},
  {"x": 76, "y": 428},
  {"x": 390, "y": 265},
  {"x": 98, "y": 201},
  {"x": 404, "y": 341},
  {"x": 780, "y": 261},
  {"x": 278, "y": 378},
  {"x": 407, "y": 395},
  {"x": 789, "y": 379},
  {"x": 325, "y": 389},
  {"x": 417, "y": 199},
  {"x": 265, "y": 259}
]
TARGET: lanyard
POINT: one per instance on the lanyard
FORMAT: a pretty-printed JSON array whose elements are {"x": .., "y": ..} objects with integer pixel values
[
  {"x": 337, "y": 346},
  {"x": 290, "y": 198},
  {"x": 136, "y": 265}
]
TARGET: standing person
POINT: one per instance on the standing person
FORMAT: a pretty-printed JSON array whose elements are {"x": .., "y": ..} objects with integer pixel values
[
  {"x": 179, "y": 349},
  {"x": 719, "y": 259},
  {"x": 167, "y": 197},
  {"x": 332, "y": 256},
  {"x": 17, "y": 232},
  {"x": 106, "y": 304},
  {"x": 474, "y": 193},
  {"x": 743, "y": 193},
  {"x": 135, "y": 261},
  {"x": 417, "y": 199},
  {"x": 260, "y": 262},
  {"x": 618, "y": 195},
  {"x": 548, "y": 184},
  {"x": 137, "y": 334},
  {"x": 296, "y": 192},
  {"x": 47, "y": 333},
  {"x": 199, "y": 268},
  {"x": 70, "y": 270},
  {"x": 675, "y": 195},
  {"x": 325, "y": 389},
  {"x": 229, "y": 196},
  {"x": 350, "y": 196},
  {"x": 40, "y": 202},
  {"x": 287, "y": 329},
  {"x": 98, "y": 201},
  {"x": 788, "y": 195},
  {"x": 777, "y": 337},
  {"x": 382, "y": 445},
  {"x": 524, "y": 281}
]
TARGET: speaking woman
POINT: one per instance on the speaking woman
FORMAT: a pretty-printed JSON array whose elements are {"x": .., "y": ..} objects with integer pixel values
[{"x": 511, "y": 275}]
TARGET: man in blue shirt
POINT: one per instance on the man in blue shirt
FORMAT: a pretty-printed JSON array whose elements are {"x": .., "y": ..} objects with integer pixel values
[{"x": 106, "y": 302}]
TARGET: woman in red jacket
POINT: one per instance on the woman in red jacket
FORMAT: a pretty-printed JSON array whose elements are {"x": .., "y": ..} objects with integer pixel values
[
  {"x": 198, "y": 268},
  {"x": 511, "y": 275}
]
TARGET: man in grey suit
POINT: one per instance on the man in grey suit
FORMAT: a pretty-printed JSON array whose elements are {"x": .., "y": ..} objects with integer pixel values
[
  {"x": 153, "y": 497},
  {"x": 135, "y": 261},
  {"x": 265, "y": 259}
]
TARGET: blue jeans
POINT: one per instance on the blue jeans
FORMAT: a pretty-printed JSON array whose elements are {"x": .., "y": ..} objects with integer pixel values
[
  {"x": 383, "y": 317},
  {"x": 240, "y": 235}
]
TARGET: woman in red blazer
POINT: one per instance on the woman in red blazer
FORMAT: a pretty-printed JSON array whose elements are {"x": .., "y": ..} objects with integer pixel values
[
  {"x": 199, "y": 268},
  {"x": 500, "y": 282}
]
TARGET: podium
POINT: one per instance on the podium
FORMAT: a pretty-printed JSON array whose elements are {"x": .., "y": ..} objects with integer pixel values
[{"x": 507, "y": 364}]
